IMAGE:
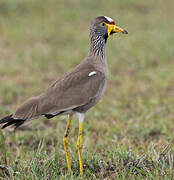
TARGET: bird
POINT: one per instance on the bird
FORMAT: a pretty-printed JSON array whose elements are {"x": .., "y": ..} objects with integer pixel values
[{"x": 76, "y": 91}]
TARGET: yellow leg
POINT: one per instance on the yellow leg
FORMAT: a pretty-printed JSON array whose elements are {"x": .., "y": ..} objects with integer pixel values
[
  {"x": 65, "y": 142},
  {"x": 79, "y": 147}
]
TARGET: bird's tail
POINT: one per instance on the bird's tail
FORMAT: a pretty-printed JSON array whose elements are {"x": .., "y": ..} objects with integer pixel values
[
  {"x": 9, "y": 120},
  {"x": 25, "y": 112}
]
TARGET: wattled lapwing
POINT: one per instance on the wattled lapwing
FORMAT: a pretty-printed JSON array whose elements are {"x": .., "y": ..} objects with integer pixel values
[{"x": 77, "y": 91}]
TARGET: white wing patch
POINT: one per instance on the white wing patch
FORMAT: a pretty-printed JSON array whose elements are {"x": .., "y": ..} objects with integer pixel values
[
  {"x": 92, "y": 73},
  {"x": 109, "y": 19}
]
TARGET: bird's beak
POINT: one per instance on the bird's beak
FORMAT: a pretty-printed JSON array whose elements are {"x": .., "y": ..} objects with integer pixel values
[{"x": 115, "y": 29}]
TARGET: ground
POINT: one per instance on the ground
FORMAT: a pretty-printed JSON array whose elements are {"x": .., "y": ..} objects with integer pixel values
[{"x": 129, "y": 134}]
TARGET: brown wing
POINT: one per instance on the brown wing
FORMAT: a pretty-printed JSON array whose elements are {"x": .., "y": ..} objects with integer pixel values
[{"x": 73, "y": 90}]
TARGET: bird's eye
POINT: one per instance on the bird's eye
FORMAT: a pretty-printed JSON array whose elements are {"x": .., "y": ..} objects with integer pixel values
[{"x": 102, "y": 24}]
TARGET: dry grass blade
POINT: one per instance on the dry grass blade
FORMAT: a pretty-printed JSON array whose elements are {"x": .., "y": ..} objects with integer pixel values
[{"x": 165, "y": 150}]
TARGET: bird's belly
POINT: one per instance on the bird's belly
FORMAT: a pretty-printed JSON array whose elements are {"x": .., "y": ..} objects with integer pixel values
[{"x": 93, "y": 101}]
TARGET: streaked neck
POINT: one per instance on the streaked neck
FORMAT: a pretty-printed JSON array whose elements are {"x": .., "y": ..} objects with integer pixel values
[{"x": 98, "y": 46}]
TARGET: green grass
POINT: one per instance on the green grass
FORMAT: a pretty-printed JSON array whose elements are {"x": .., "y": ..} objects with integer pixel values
[{"x": 126, "y": 133}]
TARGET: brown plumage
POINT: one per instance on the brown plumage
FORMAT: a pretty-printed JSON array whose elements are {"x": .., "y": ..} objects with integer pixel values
[
  {"x": 66, "y": 93},
  {"x": 75, "y": 92}
]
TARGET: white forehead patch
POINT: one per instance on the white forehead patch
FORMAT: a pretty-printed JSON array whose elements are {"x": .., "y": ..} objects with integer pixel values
[
  {"x": 92, "y": 73},
  {"x": 109, "y": 19}
]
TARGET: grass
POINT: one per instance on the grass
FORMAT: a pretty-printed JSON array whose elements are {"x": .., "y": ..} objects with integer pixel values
[{"x": 129, "y": 134}]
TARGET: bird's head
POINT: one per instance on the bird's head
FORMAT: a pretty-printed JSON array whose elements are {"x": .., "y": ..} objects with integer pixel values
[{"x": 105, "y": 26}]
